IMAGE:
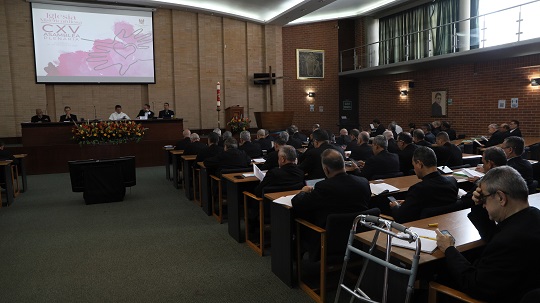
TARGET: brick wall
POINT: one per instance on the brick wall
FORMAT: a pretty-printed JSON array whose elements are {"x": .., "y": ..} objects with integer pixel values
[
  {"x": 192, "y": 53},
  {"x": 317, "y": 36}
]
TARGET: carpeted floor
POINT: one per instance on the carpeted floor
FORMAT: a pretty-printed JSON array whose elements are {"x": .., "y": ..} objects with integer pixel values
[{"x": 155, "y": 246}]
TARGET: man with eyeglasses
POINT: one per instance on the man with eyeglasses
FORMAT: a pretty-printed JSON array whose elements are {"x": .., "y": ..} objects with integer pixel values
[
  {"x": 513, "y": 148},
  {"x": 508, "y": 266}
]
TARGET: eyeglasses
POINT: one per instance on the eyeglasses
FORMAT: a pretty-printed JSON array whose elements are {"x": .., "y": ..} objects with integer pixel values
[{"x": 483, "y": 198}]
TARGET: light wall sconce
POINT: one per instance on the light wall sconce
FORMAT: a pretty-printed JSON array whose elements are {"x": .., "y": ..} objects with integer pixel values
[
  {"x": 404, "y": 92},
  {"x": 311, "y": 94},
  {"x": 535, "y": 82}
]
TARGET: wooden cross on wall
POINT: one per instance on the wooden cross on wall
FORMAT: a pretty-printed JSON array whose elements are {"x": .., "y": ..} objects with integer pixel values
[{"x": 271, "y": 83}]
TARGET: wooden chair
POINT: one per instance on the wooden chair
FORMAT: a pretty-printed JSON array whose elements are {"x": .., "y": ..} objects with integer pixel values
[
  {"x": 333, "y": 239},
  {"x": 259, "y": 246},
  {"x": 196, "y": 173},
  {"x": 435, "y": 288},
  {"x": 218, "y": 198},
  {"x": 15, "y": 178}
]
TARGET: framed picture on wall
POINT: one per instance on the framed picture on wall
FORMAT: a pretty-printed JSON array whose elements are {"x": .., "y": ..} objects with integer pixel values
[
  {"x": 309, "y": 64},
  {"x": 438, "y": 103}
]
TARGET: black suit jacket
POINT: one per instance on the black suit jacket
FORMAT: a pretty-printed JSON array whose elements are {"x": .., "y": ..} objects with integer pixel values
[
  {"x": 405, "y": 158},
  {"x": 430, "y": 137},
  {"x": 343, "y": 140},
  {"x": 264, "y": 144},
  {"x": 287, "y": 175},
  {"x": 71, "y": 118},
  {"x": 209, "y": 151},
  {"x": 252, "y": 150},
  {"x": 229, "y": 159},
  {"x": 433, "y": 191},
  {"x": 294, "y": 142},
  {"x": 300, "y": 136},
  {"x": 423, "y": 143},
  {"x": 508, "y": 267},
  {"x": 342, "y": 193},
  {"x": 310, "y": 161},
  {"x": 378, "y": 131},
  {"x": 451, "y": 133},
  {"x": 351, "y": 145},
  {"x": 495, "y": 139},
  {"x": 194, "y": 148},
  {"x": 449, "y": 155},
  {"x": 524, "y": 167},
  {"x": 392, "y": 146},
  {"x": 382, "y": 163},
  {"x": 182, "y": 144},
  {"x": 271, "y": 161},
  {"x": 361, "y": 152},
  {"x": 166, "y": 114},
  {"x": 43, "y": 118},
  {"x": 516, "y": 132},
  {"x": 142, "y": 113}
]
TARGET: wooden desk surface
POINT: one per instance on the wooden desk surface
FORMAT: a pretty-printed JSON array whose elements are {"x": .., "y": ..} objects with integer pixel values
[
  {"x": 189, "y": 157},
  {"x": 5, "y": 162},
  {"x": 456, "y": 223},
  {"x": 276, "y": 195},
  {"x": 470, "y": 156},
  {"x": 177, "y": 152},
  {"x": 232, "y": 177},
  {"x": 20, "y": 156}
]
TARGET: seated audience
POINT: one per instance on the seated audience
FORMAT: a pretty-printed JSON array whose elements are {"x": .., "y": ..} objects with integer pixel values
[
  {"x": 514, "y": 128},
  {"x": 448, "y": 154},
  {"x": 338, "y": 193},
  {"x": 310, "y": 161},
  {"x": 383, "y": 163},
  {"x": 406, "y": 151},
  {"x": 166, "y": 113},
  {"x": 513, "y": 148},
  {"x": 68, "y": 117},
  {"x": 392, "y": 128},
  {"x": 182, "y": 144},
  {"x": 495, "y": 136},
  {"x": 392, "y": 144},
  {"x": 298, "y": 135},
  {"x": 504, "y": 129},
  {"x": 272, "y": 158},
  {"x": 145, "y": 113},
  {"x": 213, "y": 149},
  {"x": 445, "y": 126},
  {"x": 343, "y": 139},
  {"x": 285, "y": 174},
  {"x": 226, "y": 135},
  {"x": 436, "y": 127},
  {"x": 363, "y": 150},
  {"x": 433, "y": 191},
  {"x": 419, "y": 138},
  {"x": 195, "y": 145},
  {"x": 251, "y": 149},
  {"x": 40, "y": 117},
  {"x": 292, "y": 141},
  {"x": 118, "y": 114},
  {"x": 379, "y": 128},
  {"x": 508, "y": 267},
  {"x": 230, "y": 158}
]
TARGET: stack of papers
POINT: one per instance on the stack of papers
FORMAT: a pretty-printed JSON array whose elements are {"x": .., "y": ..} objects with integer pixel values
[
  {"x": 258, "y": 160},
  {"x": 382, "y": 188},
  {"x": 467, "y": 172},
  {"x": 313, "y": 182},
  {"x": 258, "y": 172},
  {"x": 285, "y": 200},
  {"x": 428, "y": 240}
]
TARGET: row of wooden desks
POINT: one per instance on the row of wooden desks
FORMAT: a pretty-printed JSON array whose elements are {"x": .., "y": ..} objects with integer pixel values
[{"x": 6, "y": 168}]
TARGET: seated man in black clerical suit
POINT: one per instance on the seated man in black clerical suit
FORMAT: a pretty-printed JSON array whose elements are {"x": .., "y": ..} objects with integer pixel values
[
  {"x": 310, "y": 161},
  {"x": 508, "y": 267},
  {"x": 145, "y": 113},
  {"x": 513, "y": 148},
  {"x": 230, "y": 158},
  {"x": 434, "y": 190},
  {"x": 68, "y": 117},
  {"x": 40, "y": 117},
  {"x": 286, "y": 174},
  {"x": 448, "y": 154},
  {"x": 353, "y": 134},
  {"x": 182, "y": 144},
  {"x": 263, "y": 141},
  {"x": 195, "y": 146},
  {"x": 251, "y": 149},
  {"x": 213, "y": 149},
  {"x": 362, "y": 151},
  {"x": 406, "y": 152},
  {"x": 272, "y": 158},
  {"x": 495, "y": 136},
  {"x": 344, "y": 139},
  {"x": 392, "y": 143},
  {"x": 293, "y": 132},
  {"x": 290, "y": 140},
  {"x": 166, "y": 113},
  {"x": 379, "y": 128},
  {"x": 445, "y": 126},
  {"x": 383, "y": 163},
  {"x": 514, "y": 128},
  {"x": 419, "y": 138}
]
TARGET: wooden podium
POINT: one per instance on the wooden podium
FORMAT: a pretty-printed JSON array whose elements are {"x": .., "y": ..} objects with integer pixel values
[
  {"x": 231, "y": 112},
  {"x": 274, "y": 121}
]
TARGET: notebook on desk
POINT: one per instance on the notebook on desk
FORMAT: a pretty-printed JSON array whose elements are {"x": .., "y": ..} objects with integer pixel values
[
  {"x": 382, "y": 188},
  {"x": 428, "y": 240}
]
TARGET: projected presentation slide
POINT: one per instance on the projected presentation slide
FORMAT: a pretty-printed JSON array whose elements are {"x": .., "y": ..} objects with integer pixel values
[{"x": 77, "y": 44}]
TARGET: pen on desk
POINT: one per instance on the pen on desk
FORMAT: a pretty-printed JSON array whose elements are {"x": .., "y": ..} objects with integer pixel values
[
  {"x": 433, "y": 225},
  {"x": 429, "y": 238}
]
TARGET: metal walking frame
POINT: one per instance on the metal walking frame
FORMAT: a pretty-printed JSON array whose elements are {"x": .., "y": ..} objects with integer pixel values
[{"x": 384, "y": 226}]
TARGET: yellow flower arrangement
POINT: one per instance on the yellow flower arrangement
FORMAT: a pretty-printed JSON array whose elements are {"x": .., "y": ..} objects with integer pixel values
[
  {"x": 239, "y": 124},
  {"x": 113, "y": 132}
]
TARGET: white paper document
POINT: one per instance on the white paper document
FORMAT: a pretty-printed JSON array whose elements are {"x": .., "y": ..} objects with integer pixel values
[
  {"x": 444, "y": 169},
  {"x": 428, "y": 240},
  {"x": 258, "y": 172},
  {"x": 285, "y": 200},
  {"x": 380, "y": 188},
  {"x": 313, "y": 182},
  {"x": 258, "y": 160},
  {"x": 461, "y": 192},
  {"x": 247, "y": 175},
  {"x": 472, "y": 173}
]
